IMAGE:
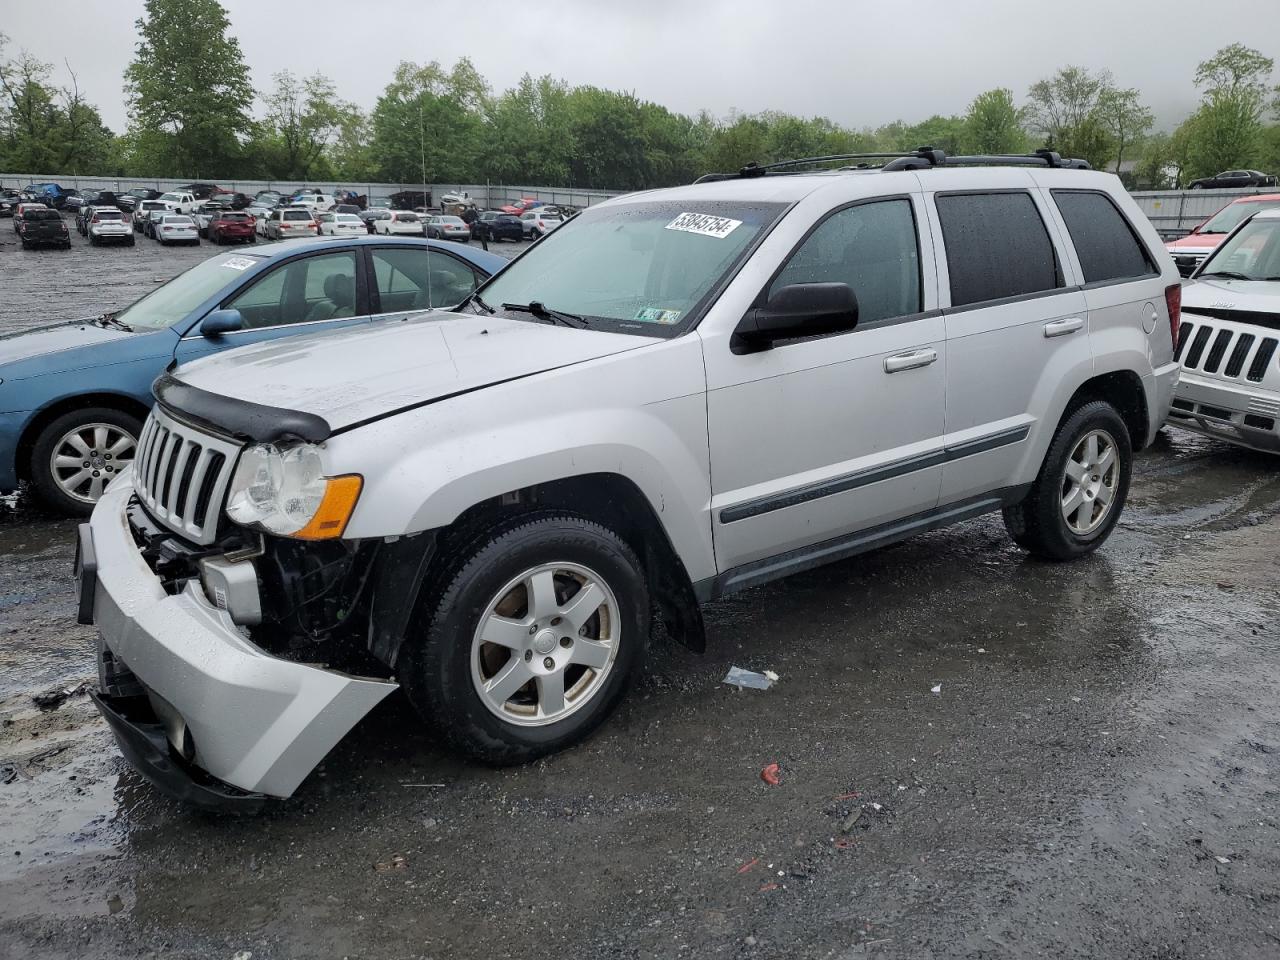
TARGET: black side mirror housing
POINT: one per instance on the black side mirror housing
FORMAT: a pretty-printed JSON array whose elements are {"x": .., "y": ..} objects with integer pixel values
[
  {"x": 221, "y": 321},
  {"x": 797, "y": 310}
]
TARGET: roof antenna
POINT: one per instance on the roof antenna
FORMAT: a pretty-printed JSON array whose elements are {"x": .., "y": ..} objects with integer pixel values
[{"x": 422, "y": 142}]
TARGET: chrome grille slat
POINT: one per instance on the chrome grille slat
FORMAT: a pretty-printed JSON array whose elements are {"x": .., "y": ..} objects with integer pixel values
[{"x": 181, "y": 476}]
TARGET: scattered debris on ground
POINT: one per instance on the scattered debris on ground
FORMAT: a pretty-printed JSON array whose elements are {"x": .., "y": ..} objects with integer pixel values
[{"x": 737, "y": 677}]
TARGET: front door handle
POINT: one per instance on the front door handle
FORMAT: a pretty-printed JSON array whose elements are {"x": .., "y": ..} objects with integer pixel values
[
  {"x": 910, "y": 361},
  {"x": 1060, "y": 328}
]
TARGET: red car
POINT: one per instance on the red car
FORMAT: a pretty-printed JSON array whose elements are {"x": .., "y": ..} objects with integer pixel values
[
  {"x": 1190, "y": 251},
  {"x": 521, "y": 205},
  {"x": 228, "y": 225}
]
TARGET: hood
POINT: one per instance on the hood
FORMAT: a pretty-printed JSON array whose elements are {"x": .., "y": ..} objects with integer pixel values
[
  {"x": 55, "y": 338},
  {"x": 1245, "y": 296},
  {"x": 1196, "y": 243},
  {"x": 355, "y": 374}
]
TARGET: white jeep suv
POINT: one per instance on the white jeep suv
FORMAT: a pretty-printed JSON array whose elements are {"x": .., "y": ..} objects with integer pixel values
[
  {"x": 675, "y": 396},
  {"x": 1230, "y": 385}
]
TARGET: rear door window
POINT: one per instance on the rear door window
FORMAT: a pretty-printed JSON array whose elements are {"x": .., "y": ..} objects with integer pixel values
[
  {"x": 997, "y": 247},
  {"x": 415, "y": 279},
  {"x": 1105, "y": 242}
]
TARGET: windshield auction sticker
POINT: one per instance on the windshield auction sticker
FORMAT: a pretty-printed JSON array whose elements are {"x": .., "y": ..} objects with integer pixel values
[
  {"x": 705, "y": 225},
  {"x": 238, "y": 263},
  {"x": 654, "y": 315}
]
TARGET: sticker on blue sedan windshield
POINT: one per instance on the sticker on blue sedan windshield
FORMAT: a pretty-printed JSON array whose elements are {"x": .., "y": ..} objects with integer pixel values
[
  {"x": 704, "y": 225},
  {"x": 238, "y": 263},
  {"x": 654, "y": 315}
]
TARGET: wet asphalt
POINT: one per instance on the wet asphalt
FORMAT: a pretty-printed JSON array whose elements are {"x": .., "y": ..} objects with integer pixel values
[{"x": 1095, "y": 777}]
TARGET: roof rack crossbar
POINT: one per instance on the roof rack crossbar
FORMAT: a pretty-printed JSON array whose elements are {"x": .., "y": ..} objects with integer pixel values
[{"x": 918, "y": 159}]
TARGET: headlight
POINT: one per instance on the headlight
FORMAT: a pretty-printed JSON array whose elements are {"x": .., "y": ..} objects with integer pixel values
[{"x": 283, "y": 490}]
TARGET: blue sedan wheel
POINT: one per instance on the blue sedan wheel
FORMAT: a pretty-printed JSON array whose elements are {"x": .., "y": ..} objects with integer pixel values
[{"x": 79, "y": 453}]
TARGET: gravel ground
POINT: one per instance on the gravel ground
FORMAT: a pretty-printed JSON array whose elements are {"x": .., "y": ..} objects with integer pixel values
[{"x": 1096, "y": 777}]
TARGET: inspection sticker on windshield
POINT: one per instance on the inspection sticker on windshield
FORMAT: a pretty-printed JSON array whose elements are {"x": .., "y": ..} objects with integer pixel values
[
  {"x": 654, "y": 315},
  {"x": 238, "y": 263},
  {"x": 704, "y": 224}
]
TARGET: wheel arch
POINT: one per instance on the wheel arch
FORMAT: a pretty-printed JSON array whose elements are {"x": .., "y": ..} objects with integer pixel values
[
  {"x": 1122, "y": 389},
  {"x": 610, "y": 499},
  {"x": 46, "y": 415}
]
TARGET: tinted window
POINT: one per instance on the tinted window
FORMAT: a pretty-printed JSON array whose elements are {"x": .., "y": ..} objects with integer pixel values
[
  {"x": 415, "y": 279},
  {"x": 1104, "y": 241},
  {"x": 296, "y": 215},
  {"x": 314, "y": 288},
  {"x": 997, "y": 246},
  {"x": 872, "y": 247}
]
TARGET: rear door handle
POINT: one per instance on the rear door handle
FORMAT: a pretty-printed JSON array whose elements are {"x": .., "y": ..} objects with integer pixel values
[
  {"x": 1060, "y": 328},
  {"x": 910, "y": 361}
]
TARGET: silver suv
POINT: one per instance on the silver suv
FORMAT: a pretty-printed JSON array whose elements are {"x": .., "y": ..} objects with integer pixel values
[{"x": 675, "y": 396}]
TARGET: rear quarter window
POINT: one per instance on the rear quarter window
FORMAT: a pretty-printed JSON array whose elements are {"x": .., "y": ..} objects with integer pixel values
[
  {"x": 997, "y": 247},
  {"x": 1105, "y": 242}
]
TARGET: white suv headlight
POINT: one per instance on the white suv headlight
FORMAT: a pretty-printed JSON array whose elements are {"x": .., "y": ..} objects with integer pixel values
[{"x": 283, "y": 490}]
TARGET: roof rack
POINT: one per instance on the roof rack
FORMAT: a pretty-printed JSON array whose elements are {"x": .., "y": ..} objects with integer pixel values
[{"x": 919, "y": 159}]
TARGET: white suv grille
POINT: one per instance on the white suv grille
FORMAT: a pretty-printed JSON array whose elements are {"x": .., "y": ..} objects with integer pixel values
[
  {"x": 181, "y": 476},
  {"x": 1203, "y": 347}
]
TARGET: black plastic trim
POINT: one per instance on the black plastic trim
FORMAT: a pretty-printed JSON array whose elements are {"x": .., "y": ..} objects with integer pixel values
[
  {"x": 86, "y": 574},
  {"x": 241, "y": 419},
  {"x": 146, "y": 747},
  {"x": 850, "y": 545},
  {"x": 861, "y": 478},
  {"x": 983, "y": 305}
]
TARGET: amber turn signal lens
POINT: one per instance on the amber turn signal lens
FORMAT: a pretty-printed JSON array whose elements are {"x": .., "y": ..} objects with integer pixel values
[{"x": 340, "y": 496}]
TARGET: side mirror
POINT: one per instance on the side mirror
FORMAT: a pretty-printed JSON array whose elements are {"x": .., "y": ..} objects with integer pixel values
[
  {"x": 797, "y": 310},
  {"x": 220, "y": 322}
]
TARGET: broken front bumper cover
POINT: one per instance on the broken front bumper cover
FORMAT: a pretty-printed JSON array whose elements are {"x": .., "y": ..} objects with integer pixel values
[{"x": 241, "y": 715}]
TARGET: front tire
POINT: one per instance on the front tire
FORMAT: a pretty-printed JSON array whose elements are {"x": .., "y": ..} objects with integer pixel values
[
  {"x": 1076, "y": 500},
  {"x": 101, "y": 437},
  {"x": 530, "y": 640}
]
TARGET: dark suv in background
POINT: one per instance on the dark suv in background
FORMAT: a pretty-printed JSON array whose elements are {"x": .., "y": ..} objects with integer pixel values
[{"x": 494, "y": 225}]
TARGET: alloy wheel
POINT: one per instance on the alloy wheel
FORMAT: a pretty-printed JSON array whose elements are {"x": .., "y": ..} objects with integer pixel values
[
  {"x": 1089, "y": 482},
  {"x": 89, "y": 457},
  {"x": 545, "y": 644}
]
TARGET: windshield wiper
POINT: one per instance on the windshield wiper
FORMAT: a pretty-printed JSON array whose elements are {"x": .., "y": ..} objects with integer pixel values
[
  {"x": 1226, "y": 275},
  {"x": 475, "y": 298},
  {"x": 109, "y": 320},
  {"x": 543, "y": 312}
]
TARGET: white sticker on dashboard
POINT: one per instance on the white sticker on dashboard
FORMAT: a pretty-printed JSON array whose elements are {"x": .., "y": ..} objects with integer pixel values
[
  {"x": 238, "y": 263},
  {"x": 705, "y": 225}
]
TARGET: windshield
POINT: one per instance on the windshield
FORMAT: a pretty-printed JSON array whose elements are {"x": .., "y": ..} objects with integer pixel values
[
  {"x": 171, "y": 196},
  {"x": 1251, "y": 254},
  {"x": 297, "y": 215},
  {"x": 1226, "y": 219},
  {"x": 171, "y": 303},
  {"x": 645, "y": 268}
]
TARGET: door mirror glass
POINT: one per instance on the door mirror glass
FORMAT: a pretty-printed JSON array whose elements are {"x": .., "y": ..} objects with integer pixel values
[
  {"x": 798, "y": 310},
  {"x": 220, "y": 322}
]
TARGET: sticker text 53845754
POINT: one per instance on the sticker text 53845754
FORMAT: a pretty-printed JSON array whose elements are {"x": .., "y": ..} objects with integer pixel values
[{"x": 705, "y": 225}]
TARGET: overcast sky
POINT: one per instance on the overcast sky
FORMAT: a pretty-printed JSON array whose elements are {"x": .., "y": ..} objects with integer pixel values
[{"x": 859, "y": 62}]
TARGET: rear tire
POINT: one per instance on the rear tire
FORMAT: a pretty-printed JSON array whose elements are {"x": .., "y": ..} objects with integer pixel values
[
  {"x": 1079, "y": 494},
  {"x": 572, "y": 678},
  {"x": 52, "y": 485}
]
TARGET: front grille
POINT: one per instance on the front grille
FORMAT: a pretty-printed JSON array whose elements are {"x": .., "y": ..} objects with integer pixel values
[
  {"x": 1206, "y": 347},
  {"x": 181, "y": 476}
]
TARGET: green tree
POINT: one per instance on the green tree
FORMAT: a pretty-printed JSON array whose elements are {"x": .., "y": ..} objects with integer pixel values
[
  {"x": 1228, "y": 126},
  {"x": 993, "y": 124},
  {"x": 46, "y": 129},
  {"x": 1125, "y": 119},
  {"x": 303, "y": 118},
  {"x": 352, "y": 151},
  {"x": 188, "y": 82},
  {"x": 1064, "y": 108},
  {"x": 429, "y": 124},
  {"x": 529, "y": 139},
  {"x": 1156, "y": 169}
]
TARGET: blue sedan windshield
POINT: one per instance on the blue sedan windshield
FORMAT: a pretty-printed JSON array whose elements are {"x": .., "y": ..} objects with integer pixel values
[{"x": 166, "y": 305}]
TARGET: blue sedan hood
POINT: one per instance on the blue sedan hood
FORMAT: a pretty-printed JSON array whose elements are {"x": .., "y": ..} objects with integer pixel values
[{"x": 54, "y": 338}]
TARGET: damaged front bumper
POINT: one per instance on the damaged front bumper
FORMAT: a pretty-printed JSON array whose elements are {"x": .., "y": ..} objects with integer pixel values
[{"x": 225, "y": 707}]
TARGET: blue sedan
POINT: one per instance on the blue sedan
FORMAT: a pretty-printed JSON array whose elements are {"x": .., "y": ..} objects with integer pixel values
[{"x": 73, "y": 395}]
